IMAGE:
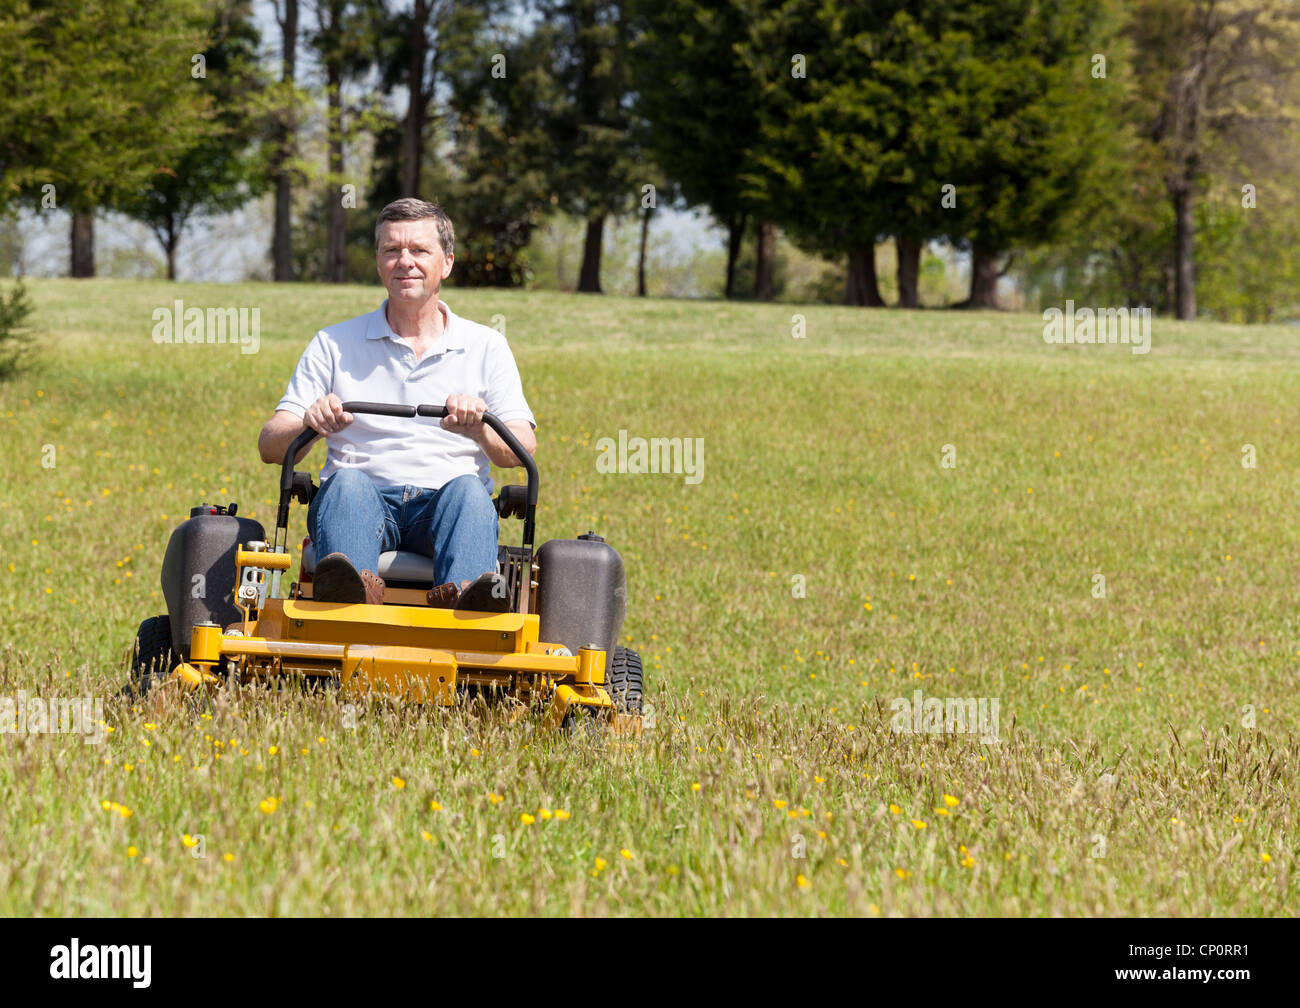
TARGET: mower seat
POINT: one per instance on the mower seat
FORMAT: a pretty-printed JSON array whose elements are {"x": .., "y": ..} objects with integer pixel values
[{"x": 395, "y": 565}]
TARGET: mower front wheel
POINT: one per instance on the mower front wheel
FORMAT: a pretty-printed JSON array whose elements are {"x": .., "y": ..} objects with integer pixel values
[
  {"x": 152, "y": 658},
  {"x": 583, "y": 724},
  {"x": 624, "y": 681}
]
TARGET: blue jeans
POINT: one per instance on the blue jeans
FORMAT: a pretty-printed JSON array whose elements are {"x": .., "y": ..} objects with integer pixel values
[{"x": 456, "y": 524}]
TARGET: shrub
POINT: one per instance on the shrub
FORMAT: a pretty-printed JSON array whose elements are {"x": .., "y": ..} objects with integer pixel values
[{"x": 15, "y": 335}]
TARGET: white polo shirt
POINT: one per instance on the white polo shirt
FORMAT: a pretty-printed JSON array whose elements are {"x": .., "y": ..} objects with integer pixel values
[{"x": 363, "y": 359}]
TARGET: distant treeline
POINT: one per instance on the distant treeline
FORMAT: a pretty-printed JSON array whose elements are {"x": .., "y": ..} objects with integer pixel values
[{"x": 1127, "y": 153}]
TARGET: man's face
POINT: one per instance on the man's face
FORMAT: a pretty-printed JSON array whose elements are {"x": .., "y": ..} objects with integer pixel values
[{"x": 411, "y": 262}]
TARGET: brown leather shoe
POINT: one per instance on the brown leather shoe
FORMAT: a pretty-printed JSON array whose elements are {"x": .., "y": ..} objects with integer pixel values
[
  {"x": 336, "y": 580},
  {"x": 374, "y": 588},
  {"x": 488, "y": 594},
  {"x": 445, "y": 596}
]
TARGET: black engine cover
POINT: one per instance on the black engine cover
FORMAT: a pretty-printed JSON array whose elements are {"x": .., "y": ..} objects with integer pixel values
[
  {"x": 581, "y": 593},
  {"x": 198, "y": 573}
]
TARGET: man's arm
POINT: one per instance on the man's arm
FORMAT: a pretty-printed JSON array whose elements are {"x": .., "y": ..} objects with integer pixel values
[
  {"x": 325, "y": 415},
  {"x": 496, "y": 449}
]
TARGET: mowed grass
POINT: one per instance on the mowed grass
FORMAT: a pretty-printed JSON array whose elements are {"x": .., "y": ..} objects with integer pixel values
[{"x": 827, "y": 564}]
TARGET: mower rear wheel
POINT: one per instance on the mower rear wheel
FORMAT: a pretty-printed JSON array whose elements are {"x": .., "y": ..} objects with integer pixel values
[
  {"x": 152, "y": 659},
  {"x": 624, "y": 681}
]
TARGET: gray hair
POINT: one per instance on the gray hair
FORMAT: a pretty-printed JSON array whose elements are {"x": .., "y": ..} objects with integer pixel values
[{"x": 409, "y": 208}]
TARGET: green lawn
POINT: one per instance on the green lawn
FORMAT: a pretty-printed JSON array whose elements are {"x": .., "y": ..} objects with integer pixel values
[{"x": 769, "y": 780}]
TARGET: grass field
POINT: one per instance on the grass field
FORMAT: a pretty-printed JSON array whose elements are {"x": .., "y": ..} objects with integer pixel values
[{"x": 1146, "y": 749}]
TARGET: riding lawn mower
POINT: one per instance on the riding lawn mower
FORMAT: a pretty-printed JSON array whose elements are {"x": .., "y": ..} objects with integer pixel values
[{"x": 554, "y": 650}]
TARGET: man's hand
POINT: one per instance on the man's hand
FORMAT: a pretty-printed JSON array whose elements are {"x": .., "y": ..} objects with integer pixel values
[
  {"x": 326, "y": 416},
  {"x": 465, "y": 416}
]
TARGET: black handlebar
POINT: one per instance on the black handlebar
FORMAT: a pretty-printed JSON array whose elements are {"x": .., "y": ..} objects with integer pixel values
[{"x": 392, "y": 409}]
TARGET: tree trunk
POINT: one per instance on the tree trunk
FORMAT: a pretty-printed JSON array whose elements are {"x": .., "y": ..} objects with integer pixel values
[
  {"x": 735, "y": 233},
  {"x": 1184, "y": 255},
  {"x": 83, "y": 243},
  {"x": 336, "y": 242},
  {"x": 764, "y": 287},
  {"x": 170, "y": 242},
  {"x": 418, "y": 102},
  {"x": 861, "y": 290},
  {"x": 589, "y": 275},
  {"x": 282, "y": 242},
  {"x": 909, "y": 271},
  {"x": 561, "y": 258},
  {"x": 640, "y": 260},
  {"x": 983, "y": 279},
  {"x": 282, "y": 238}
]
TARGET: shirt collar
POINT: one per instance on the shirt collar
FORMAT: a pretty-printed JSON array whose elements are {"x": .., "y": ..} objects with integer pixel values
[{"x": 453, "y": 336}]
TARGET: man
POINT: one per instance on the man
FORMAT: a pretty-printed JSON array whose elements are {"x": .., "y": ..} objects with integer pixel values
[{"x": 395, "y": 483}]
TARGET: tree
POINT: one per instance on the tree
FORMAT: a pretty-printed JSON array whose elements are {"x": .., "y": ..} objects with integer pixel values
[
  {"x": 411, "y": 50},
  {"x": 225, "y": 169},
  {"x": 595, "y": 172},
  {"x": 1036, "y": 125},
  {"x": 487, "y": 156},
  {"x": 693, "y": 91},
  {"x": 1114, "y": 247},
  {"x": 1217, "y": 89},
  {"x": 497, "y": 186},
  {"x": 283, "y": 170},
  {"x": 756, "y": 261},
  {"x": 1248, "y": 269},
  {"x": 1198, "y": 220},
  {"x": 917, "y": 94},
  {"x": 96, "y": 95},
  {"x": 659, "y": 188},
  {"x": 419, "y": 81},
  {"x": 346, "y": 37},
  {"x": 15, "y": 336},
  {"x": 817, "y": 163},
  {"x": 908, "y": 102}
]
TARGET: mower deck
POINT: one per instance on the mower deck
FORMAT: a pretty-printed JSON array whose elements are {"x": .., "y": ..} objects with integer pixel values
[{"x": 416, "y": 653}]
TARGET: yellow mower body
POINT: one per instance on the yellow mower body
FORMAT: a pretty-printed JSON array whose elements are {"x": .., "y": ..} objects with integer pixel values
[{"x": 404, "y": 649}]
